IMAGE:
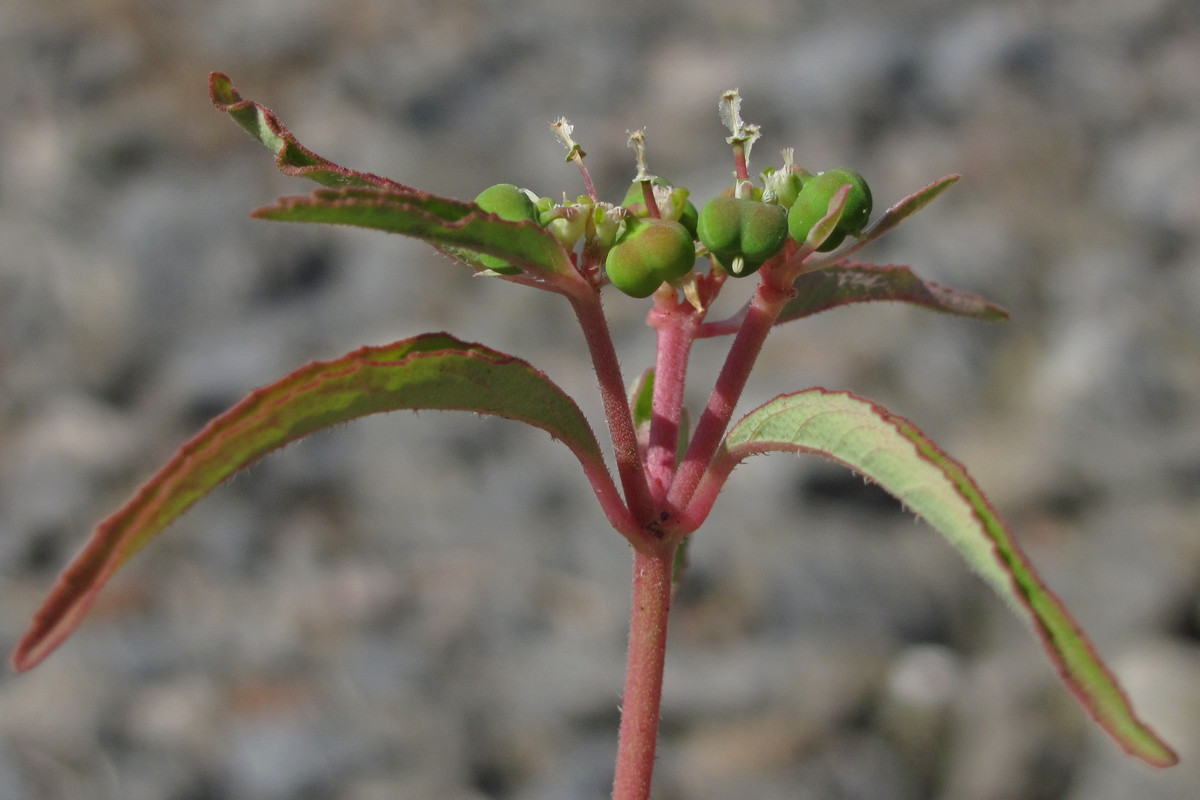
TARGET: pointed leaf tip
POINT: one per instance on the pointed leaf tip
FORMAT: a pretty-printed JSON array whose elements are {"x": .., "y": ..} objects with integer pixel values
[
  {"x": 846, "y": 283},
  {"x": 221, "y": 92},
  {"x": 291, "y": 157},
  {"x": 901, "y": 211},
  {"x": 433, "y": 371},
  {"x": 891, "y": 451}
]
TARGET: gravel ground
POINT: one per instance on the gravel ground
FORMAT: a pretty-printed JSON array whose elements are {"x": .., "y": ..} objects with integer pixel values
[{"x": 432, "y": 607}]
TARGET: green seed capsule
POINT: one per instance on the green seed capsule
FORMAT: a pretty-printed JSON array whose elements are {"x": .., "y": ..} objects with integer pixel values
[
  {"x": 749, "y": 191},
  {"x": 511, "y": 204},
  {"x": 689, "y": 217},
  {"x": 813, "y": 203},
  {"x": 764, "y": 230},
  {"x": 719, "y": 227},
  {"x": 738, "y": 228},
  {"x": 652, "y": 251},
  {"x": 508, "y": 202}
]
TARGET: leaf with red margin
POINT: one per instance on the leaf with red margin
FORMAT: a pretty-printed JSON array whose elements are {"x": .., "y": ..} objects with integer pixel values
[
  {"x": 891, "y": 451},
  {"x": 462, "y": 230},
  {"x": 846, "y": 283},
  {"x": 448, "y": 224},
  {"x": 292, "y": 158},
  {"x": 901, "y": 211},
  {"x": 432, "y": 371}
]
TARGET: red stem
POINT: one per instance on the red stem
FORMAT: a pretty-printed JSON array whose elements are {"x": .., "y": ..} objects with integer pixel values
[
  {"x": 675, "y": 324},
  {"x": 648, "y": 198},
  {"x": 764, "y": 308},
  {"x": 644, "y": 670},
  {"x": 740, "y": 164},
  {"x": 616, "y": 406},
  {"x": 590, "y": 187}
]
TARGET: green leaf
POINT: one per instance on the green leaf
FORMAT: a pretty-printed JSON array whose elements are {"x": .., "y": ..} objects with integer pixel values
[
  {"x": 845, "y": 283},
  {"x": 433, "y": 371},
  {"x": 891, "y": 451},
  {"x": 641, "y": 403},
  {"x": 449, "y": 224},
  {"x": 903, "y": 210},
  {"x": 823, "y": 228},
  {"x": 641, "y": 397},
  {"x": 292, "y": 158},
  {"x": 888, "y": 220}
]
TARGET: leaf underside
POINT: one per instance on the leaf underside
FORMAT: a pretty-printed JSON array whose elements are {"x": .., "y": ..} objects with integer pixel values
[
  {"x": 444, "y": 223},
  {"x": 891, "y": 451},
  {"x": 850, "y": 282},
  {"x": 433, "y": 371}
]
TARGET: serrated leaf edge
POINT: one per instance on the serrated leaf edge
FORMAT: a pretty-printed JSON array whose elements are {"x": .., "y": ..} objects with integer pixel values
[
  {"x": 1012, "y": 575},
  {"x": 150, "y": 510}
]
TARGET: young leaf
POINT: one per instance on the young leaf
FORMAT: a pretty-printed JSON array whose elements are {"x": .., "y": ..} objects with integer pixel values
[
  {"x": 825, "y": 225},
  {"x": 433, "y": 371},
  {"x": 849, "y": 282},
  {"x": 891, "y": 451},
  {"x": 846, "y": 282},
  {"x": 292, "y": 158},
  {"x": 902, "y": 211},
  {"x": 641, "y": 396},
  {"x": 445, "y": 223}
]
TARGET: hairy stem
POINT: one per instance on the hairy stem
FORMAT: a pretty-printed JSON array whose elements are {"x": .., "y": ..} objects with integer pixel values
[
  {"x": 616, "y": 406},
  {"x": 675, "y": 325},
  {"x": 644, "y": 670},
  {"x": 764, "y": 309}
]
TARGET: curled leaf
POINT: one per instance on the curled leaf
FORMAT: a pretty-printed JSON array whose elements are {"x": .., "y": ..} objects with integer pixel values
[{"x": 292, "y": 158}]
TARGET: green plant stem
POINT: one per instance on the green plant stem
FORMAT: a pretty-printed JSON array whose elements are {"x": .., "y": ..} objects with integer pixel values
[
  {"x": 642, "y": 697},
  {"x": 616, "y": 406},
  {"x": 764, "y": 309}
]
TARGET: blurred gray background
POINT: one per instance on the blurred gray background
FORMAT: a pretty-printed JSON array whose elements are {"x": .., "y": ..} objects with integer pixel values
[{"x": 432, "y": 606}]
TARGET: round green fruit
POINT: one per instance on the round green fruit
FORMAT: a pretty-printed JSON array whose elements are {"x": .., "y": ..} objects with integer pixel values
[
  {"x": 813, "y": 203},
  {"x": 719, "y": 226},
  {"x": 508, "y": 202},
  {"x": 688, "y": 215},
  {"x": 511, "y": 204},
  {"x": 652, "y": 251},
  {"x": 733, "y": 228},
  {"x": 749, "y": 191}
]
